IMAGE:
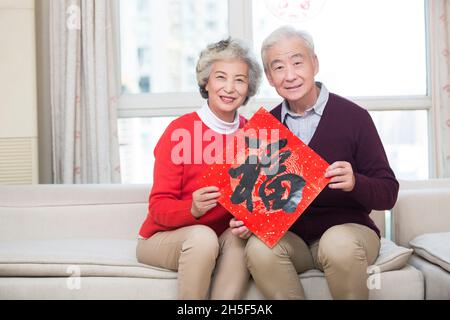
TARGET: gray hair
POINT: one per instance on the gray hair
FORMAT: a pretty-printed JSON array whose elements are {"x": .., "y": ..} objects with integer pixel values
[
  {"x": 283, "y": 33},
  {"x": 226, "y": 50}
]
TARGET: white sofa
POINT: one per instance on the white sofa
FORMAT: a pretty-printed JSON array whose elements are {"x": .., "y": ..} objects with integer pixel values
[
  {"x": 78, "y": 242},
  {"x": 422, "y": 222}
]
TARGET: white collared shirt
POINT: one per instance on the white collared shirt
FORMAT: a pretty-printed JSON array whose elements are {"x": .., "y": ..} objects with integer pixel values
[{"x": 304, "y": 126}]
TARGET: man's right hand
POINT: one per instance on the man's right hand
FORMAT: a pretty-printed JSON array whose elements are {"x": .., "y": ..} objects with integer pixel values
[
  {"x": 203, "y": 200},
  {"x": 239, "y": 229}
]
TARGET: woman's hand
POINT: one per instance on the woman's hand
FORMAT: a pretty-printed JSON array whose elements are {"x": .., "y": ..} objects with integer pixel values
[
  {"x": 203, "y": 200},
  {"x": 342, "y": 177},
  {"x": 239, "y": 230}
]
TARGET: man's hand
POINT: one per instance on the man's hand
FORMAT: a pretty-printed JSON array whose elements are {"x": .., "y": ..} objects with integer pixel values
[
  {"x": 239, "y": 230},
  {"x": 342, "y": 177},
  {"x": 203, "y": 200}
]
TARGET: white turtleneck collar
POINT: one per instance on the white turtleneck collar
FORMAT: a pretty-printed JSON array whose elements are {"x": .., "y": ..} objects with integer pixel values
[{"x": 213, "y": 122}]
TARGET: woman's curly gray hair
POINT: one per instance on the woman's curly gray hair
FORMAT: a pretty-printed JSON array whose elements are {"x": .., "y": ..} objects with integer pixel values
[{"x": 226, "y": 50}]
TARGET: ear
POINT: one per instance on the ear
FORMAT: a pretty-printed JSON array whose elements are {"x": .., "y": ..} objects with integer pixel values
[{"x": 316, "y": 64}]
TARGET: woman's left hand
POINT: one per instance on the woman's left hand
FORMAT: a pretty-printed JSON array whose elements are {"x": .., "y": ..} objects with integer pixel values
[
  {"x": 239, "y": 230},
  {"x": 342, "y": 177}
]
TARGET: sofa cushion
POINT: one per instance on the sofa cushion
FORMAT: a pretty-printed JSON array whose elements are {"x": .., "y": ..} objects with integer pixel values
[
  {"x": 406, "y": 283},
  {"x": 117, "y": 258},
  {"x": 75, "y": 257},
  {"x": 392, "y": 256},
  {"x": 434, "y": 247}
]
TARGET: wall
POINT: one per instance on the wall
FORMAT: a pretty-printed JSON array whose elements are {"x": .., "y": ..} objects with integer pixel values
[
  {"x": 18, "y": 102},
  {"x": 43, "y": 94}
]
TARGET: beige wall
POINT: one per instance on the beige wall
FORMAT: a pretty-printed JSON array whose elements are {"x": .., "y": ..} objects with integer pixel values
[{"x": 18, "y": 102}]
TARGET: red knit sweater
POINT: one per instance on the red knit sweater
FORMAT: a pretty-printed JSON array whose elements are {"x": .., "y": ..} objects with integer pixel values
[{"x": 170, "y": 200}]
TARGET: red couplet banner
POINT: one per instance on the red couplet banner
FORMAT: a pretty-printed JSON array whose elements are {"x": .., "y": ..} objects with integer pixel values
[{"x": 267, "y": 177}]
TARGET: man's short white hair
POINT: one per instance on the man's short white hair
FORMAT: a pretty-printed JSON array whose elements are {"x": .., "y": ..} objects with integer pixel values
[{"x": 283, "y": 33}]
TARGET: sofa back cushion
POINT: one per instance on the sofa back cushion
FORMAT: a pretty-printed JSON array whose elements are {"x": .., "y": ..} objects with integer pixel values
[{"x": 44, "y": 212}]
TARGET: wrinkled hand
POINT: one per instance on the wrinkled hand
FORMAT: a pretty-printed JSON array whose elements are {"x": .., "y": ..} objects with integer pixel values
[
  {"x": 203, "y": 200},
  {"x": 239, "y": 230},
  {"x": 342, "y": 177}
]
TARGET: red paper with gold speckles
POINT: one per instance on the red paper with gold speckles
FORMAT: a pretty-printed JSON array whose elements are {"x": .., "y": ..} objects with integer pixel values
[{"x": 267, "y": 177}]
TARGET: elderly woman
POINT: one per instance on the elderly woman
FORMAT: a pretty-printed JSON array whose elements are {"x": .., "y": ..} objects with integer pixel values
[{"x": 186, "y": 228}]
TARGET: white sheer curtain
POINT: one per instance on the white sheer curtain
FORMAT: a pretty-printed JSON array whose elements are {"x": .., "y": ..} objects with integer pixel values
[
  {"x": 440, "y": 31},
  {"x": 84, "y": 92}
]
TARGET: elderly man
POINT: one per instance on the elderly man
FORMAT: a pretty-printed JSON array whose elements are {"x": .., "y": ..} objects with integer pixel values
[{"x": 335, "y": 234}]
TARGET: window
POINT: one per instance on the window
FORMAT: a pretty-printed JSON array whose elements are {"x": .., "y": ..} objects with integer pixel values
[
  {"x": 365, "y": 48},
  {"x": 138, "y": 138},
  {"x": 373, "y": 52},
  {"x": 360, "y": 55},
  {"x": 405, "y": 139},
  {"x": 158, "y": 37}
]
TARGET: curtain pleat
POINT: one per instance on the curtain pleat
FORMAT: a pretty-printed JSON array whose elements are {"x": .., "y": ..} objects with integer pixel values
[{"x": 84, "y": 92}]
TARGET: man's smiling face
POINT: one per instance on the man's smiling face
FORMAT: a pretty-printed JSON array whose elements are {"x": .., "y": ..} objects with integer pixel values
[{"x": 291, "y": 68}]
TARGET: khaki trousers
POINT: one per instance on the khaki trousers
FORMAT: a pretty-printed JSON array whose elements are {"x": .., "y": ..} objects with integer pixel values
[
  {"x": 343, "y": 253},
  {"x": 196, "y": 252}
]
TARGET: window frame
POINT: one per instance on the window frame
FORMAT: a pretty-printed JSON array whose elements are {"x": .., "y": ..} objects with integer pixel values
[{"x": 240, "y": 26}]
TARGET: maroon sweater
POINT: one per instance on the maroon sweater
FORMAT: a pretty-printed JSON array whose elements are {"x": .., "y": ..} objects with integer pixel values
[{"x": 346, "y": 132}]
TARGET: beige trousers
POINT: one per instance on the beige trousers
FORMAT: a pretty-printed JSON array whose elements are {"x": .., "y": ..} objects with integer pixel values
[
  {"x": 196, "y": 252},
  {"x": 343, "y": 253}
]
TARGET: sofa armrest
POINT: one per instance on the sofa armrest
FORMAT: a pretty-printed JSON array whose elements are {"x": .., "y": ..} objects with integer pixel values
[{"x": 419, "y": 211}]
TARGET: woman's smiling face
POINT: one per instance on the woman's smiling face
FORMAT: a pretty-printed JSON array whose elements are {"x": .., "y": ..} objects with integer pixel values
[{"x": 227, "y": 87}]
